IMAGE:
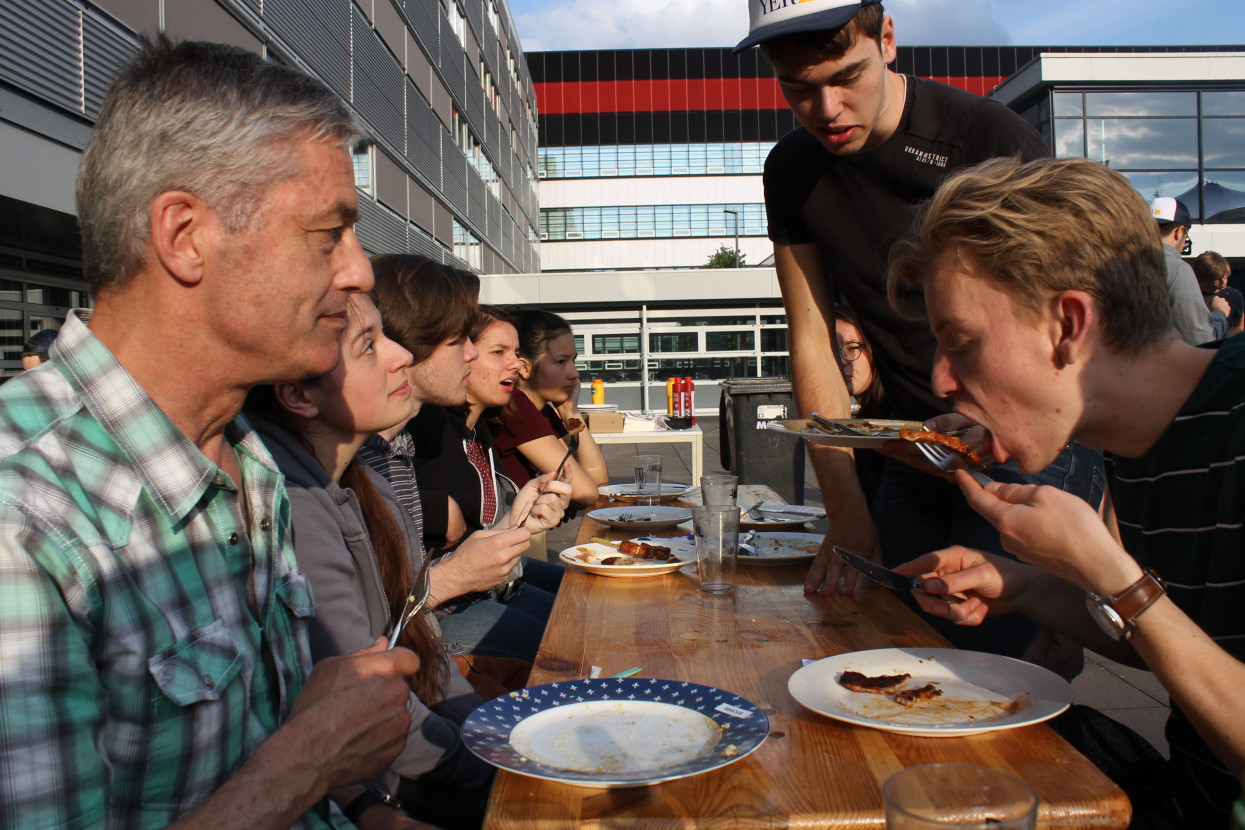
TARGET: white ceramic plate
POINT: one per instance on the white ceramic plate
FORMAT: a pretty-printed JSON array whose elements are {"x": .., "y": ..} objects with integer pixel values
[
  {"x": 641, "y": 518},
  {"x": 615, "y": 733},
  {"x": 588, "y": 557},
  {"x": 781, "y": 548},
  {"x": 980, "y": 692},
  {"x": 880, "y": 431},
  {"x": 626, "y": 492}
]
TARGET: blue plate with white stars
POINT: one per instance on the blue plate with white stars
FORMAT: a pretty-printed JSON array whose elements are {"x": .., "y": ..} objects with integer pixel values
[{"x": 611, "y": 732}]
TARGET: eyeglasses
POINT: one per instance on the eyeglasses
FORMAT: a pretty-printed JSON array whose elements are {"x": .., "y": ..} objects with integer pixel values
[{"x": 851, "y": 350}]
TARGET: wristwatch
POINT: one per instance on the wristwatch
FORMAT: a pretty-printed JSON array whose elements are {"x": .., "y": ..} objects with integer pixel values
[
  {"x": 1117, "y": 615},
  {"x": 369, "y": 797}
]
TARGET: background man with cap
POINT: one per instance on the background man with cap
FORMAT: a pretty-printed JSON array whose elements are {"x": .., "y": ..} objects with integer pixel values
[
  {"x": 838, "y": 193},
  {"x": 1194, "y": 321}
]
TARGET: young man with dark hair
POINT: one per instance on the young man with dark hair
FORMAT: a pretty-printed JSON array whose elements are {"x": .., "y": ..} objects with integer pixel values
[
  {"x": 839, "y": 191},
  {"x": 1046, "y": 289}
]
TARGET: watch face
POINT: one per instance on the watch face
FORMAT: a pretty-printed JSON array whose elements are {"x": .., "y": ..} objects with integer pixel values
[{"x": 1106, "y": 617}]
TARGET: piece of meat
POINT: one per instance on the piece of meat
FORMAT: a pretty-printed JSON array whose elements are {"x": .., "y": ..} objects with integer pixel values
[
  {"x": 920, "y": 436},
  {"x": 881, "y": 685},
  {"x": 915, "y": 697},
  {"x": 644, "y": 550}
]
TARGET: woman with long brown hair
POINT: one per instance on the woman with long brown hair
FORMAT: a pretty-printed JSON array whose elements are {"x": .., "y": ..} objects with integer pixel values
[{"x": 354, "y": 542}]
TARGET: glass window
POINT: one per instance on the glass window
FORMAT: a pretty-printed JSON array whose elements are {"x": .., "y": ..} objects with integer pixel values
[
  {"x": 363, "y": 169},
  {"x": 1069, "y": 139},
  {"x": 673, "y": 342},
  {"x": 730, "y": 341},
  {"x": 47, "y": 295},
  {"x": 11, "y": 290},
  {"x": 579, "y": 343},
  {"x": 12, "y": 334},
  {"x": 1224, "y": 192},
  {"x": 1223, "y": 103},
  {"x": 776, "y": 366},
  {"x": 773, "y": 340},
  {"x": 1223, "y": 142},
  {"x": 1141, "y": 143},
  {"x": 1109, "y": 104},
  {"x": 1181, "y": 184},
  {"x": 702, "y": 368},
  {"x": 1068, "y": 103},
  {"x": 615, "y": 343}
]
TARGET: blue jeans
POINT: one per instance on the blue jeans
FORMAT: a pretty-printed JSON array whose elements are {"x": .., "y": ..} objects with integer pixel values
[
  {"x": 916, "y": 513},
  {"x": 491, "y": 627}
]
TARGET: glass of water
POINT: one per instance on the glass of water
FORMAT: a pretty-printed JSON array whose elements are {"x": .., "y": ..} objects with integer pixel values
[{"x": 647, "y": 479}]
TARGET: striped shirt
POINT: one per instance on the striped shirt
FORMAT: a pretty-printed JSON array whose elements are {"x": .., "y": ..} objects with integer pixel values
[
  {"x": 1181, "y": 511},
  {"x": 152, "y": 620}
]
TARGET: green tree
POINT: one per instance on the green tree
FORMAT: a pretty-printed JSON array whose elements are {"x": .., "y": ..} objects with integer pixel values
[{"x": 724, "y": 257}]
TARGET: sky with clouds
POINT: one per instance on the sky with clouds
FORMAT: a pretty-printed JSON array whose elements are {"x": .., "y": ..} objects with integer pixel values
[{"x": 549, "y": 25}]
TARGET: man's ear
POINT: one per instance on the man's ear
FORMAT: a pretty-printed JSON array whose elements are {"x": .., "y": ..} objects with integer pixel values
[
  {"x": 1075, "y": 316},
  {"x": 181, "y": 224},
  {"x": 294, "y": 398}
]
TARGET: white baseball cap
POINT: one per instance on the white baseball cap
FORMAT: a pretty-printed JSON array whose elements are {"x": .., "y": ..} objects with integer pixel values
[
  {"x": 1166, "y": 210},
  {"x": 774, "y": 18}
]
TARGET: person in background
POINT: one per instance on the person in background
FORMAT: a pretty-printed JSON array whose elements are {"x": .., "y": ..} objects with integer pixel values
[
  {"x": 1047, "y": 289},
  {"x": 482, "y": 586},
  {"x": 1212, "y": 272},
  {"x": 528, "y": 434},
  {"x": 154, "y": 662},
  {"x": 1194, "y": 321},
  {"x": 868, "y": 396},
  {"x": 35, "y": 352},
  {"x": 839, "y": 190}
]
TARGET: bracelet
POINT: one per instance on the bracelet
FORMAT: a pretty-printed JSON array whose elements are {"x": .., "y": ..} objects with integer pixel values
[{"x": 369, "y": 798}]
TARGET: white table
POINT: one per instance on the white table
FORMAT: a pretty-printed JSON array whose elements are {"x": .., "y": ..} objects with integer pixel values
[{"x": 691, "y": 435}]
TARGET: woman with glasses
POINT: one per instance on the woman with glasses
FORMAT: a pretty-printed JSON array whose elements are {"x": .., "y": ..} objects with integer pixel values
[{"x": 865, "y": 387}]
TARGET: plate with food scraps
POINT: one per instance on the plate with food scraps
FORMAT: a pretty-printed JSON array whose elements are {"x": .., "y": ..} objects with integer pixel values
[
  {"x": 950, "y": 693},
  {"x": 609, "y": 560},
  {"x": 773, "y": 547},
  {"x": 614, "y": 733},
  {"x": 626, "y": 492},
  {"x": 781, "y": 517},
  {"x": 641, "y": 517},
  {"x": 874, "y": 432}
]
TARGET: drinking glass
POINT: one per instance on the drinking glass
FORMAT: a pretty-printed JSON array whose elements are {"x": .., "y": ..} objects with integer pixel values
[
  {"x": 717, "y": 540},
  {"x": 941, "y": 796},
  {"x": 647, "y": 479},
  {"x": 719, "y": 490}
]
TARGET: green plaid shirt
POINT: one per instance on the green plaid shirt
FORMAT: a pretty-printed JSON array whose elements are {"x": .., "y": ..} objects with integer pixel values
[{"x": 152, "y": 620}]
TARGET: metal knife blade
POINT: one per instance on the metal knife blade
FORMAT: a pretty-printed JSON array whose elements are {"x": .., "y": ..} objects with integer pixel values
[
  {"x": 835, "y": 427},
  {"x": 884, "y": 576}
]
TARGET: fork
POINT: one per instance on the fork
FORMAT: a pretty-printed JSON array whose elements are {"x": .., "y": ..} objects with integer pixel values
[
  {"x": 415, "y": 601},
  {"x": 572, "y": 445},
  {"x": 949, "y": 462}
]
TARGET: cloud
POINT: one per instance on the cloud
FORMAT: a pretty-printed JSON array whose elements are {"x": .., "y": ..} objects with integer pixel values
[
  {"x": 631, "y": 24},
  {"x": 947, "y": 23}
]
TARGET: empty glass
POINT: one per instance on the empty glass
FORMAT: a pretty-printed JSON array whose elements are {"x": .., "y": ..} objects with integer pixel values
[
  {"x": 941, "y": 796},
  {"x": 717, "y": 541},
  {"x": 719, "y": 489},
  {"x": 647, "y": 478}
]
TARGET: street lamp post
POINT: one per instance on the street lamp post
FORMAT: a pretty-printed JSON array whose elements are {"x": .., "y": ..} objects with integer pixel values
[{"x": 735, "y": 214}]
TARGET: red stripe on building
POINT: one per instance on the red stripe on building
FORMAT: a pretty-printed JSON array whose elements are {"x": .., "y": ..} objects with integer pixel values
[{"x": 687, "y": 94}]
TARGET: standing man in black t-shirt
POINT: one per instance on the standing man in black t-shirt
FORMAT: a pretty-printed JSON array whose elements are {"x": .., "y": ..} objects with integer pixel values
[{"x": 839, "y": 192}]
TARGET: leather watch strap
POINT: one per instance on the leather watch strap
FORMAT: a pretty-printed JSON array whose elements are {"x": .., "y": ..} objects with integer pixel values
[{"x": 1133, "y": 601}]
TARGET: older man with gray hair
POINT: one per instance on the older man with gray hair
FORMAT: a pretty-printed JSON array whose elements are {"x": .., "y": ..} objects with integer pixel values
[{"x": 154, "y": 667}]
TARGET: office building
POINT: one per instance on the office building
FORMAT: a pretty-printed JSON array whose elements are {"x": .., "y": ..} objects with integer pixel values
[{"x": 441, "y": 85}]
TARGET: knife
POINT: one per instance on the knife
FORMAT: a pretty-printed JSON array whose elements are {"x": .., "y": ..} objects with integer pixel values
[{"x": 886, "y": 577}]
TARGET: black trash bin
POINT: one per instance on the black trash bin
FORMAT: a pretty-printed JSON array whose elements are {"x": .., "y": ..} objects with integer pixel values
[{"x": 756, "y": 454}]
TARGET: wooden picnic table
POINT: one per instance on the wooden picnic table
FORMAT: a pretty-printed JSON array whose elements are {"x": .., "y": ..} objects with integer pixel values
[{"x": 812, "y": 771}]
